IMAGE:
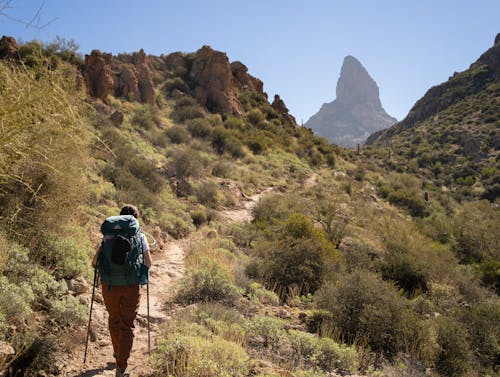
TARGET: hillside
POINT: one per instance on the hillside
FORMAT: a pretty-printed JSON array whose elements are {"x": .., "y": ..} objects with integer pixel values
[
  {"x": 452, "y": 134},
  {"x": 356, "y": 112},
  {"x": 278, "y": 254}
]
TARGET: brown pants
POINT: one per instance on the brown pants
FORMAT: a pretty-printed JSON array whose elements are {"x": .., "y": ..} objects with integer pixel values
[{"x": 122, "y": 304}]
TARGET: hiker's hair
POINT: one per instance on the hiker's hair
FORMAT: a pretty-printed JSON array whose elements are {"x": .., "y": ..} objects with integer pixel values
[{"x": 129, "y": 209}]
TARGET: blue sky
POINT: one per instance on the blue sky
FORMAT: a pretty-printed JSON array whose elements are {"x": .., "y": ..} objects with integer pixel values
[{"x": 296, "y": 47}]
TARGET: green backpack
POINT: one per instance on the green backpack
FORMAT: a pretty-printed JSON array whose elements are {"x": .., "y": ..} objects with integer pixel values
[{"x": 121, "y": 259}]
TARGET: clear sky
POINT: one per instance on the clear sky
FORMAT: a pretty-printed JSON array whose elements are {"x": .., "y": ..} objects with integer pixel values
[{"x": 296, "y": 47}]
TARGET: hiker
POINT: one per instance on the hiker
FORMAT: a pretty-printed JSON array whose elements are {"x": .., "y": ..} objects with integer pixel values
[{"x": 120, "y": 290}]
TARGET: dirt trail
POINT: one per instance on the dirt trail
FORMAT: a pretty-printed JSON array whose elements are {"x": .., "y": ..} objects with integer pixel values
[{"x": 168, "y": 268}]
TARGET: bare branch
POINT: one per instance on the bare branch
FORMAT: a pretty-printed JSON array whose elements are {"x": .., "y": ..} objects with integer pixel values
[{"x": 34, "y": 23}]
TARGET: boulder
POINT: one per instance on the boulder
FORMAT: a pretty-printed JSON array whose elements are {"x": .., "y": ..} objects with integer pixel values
[
  {"x": 78, "y": 285},
  {"x": 8, "y": 48},
  {"x": 212, "y": 78},
  {"x": 281, "y": 108},
  {"x": 98, "y": 75},
  {"x": 117, "y": 118}
]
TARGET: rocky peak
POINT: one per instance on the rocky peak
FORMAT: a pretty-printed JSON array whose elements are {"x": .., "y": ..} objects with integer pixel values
[
  {"x": 497, "y": 39},
  {"x": 355, "y": 84},
  {"x": 356, "y": 112}
]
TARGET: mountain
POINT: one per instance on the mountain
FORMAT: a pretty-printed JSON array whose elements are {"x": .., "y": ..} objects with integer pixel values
[
  {"x": 452, "y": 134},
  {"x": 356, "y": 112},
  {"x": 246, "y": 211}
]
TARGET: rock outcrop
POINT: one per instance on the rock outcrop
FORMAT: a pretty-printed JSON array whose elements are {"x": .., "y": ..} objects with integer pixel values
[
  {"x": 212, "y": 78},
  {"x": 356, "y": 112},
  {"x": 98, "y": 75},
  {"x": 246, "y": 81},
  {"x": 144, "y": 78},
  {"x": 8, "y": 48},
  {"x": 281, "y": 108},
  {"x": 133, "y": 79}
]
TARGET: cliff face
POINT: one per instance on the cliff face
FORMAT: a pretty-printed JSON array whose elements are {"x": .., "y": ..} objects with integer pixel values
[{"x": 356, "y": 112}]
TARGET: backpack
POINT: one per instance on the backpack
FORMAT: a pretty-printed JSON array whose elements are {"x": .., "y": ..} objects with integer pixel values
[{"x": 121, "y": 260}]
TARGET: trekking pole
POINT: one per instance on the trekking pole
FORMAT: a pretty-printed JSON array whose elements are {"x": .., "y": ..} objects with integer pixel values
[
  {"x": 149, "y": 331},
  {"x": 90, "y": 315}
]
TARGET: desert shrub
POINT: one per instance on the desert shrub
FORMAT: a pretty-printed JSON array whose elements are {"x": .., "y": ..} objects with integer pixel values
[
  {"x": 177, "y": 226},
  {"x": 224, "y": 141},
  {"x": 192, "y": 356},
  {"x": 454, "y": 359},
  {"x": 144, "y": 170},
  {"x": 407, "y": 271},
  {"x": 68, "y": 311},
  {"x": 175, "y": 83},
  {"x": 331, "y": 355},
  {"x": 209, "y": 284},
  {"x": 366, "y": 308},
  {"x": 256, "y": 145},
  {"x": 475, "y": 232},
  {"x": 64, "y": 257},
  {"x": 255, "y": 116},
  {"x": 256, "y": 291},
  {"x": 15, "y": 302},
  {"x": 145, "y": 117},
  {"x": 185, "y": 163},
  {"x": 187, "y": 108},
  {"x": 295, "y": 263},
  {"x": 208, "y": 194},
  {"x": 410, "y": 200},
  {"x": 490, "y": 274},
  {"x": 483, "y": 327},
  {"x": 222, "y": 169},
  {"x": 178, "y": 135},
  {"x": 199, "y": 217},
  {"x": 319, "y": 321},
  {"x": 199, "y": 127},
  {"x": 266, "y": 332}
]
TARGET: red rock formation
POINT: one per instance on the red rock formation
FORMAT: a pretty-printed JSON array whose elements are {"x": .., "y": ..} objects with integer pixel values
[
  {"x": 213, "y": 81},
  {"x": 245, "y": 81},
  {"x": 8, "y": 48},
  {"x": 98, "y": 74},
  {"x": 281, "y": 108},
  {"x": 126, "y": 83},
  {"x": 144, "y": 79}
]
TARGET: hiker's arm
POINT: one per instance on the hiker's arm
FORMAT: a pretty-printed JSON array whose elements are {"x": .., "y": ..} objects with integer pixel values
[
  {"x": 96, "y": 255},
  {"x": 145, "y": 251},
  {"x": 147, "y": 259}
]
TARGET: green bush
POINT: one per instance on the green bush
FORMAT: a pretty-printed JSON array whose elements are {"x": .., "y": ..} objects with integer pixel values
[
  {"x": 208, "y": 194},
  {"x": 185, "y": 163},
  {"x": 175, "y": 83},
  {"x": 490, "y": 275},
  {"x": 209, "y": 284},
  {"x": 266, "y": 332},
  {"x": 187, "y": 108},
  {"x": 68, "y": 311},
  {"x": 410, "y": 200},
  {"x": 454, "y": 359},
  {"x": 199, "y": 127},
  {"x": 366, "y": 308},
  {"x": 178, "y": 135},
  {"x": 145, "y": 117},
  {"x": 192, "y": 356}
]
